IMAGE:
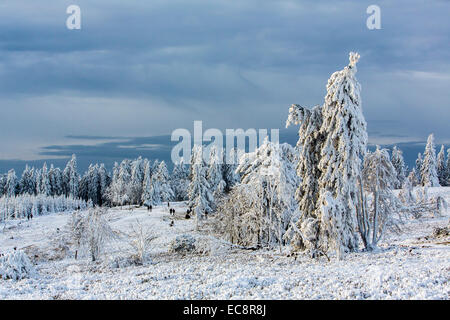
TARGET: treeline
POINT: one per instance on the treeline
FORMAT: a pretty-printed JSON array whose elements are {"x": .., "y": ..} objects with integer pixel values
[
  {"x": 27, "y": 206},
  {"x": 132, "y": 182},
  {"x": 432, "y": 170}
]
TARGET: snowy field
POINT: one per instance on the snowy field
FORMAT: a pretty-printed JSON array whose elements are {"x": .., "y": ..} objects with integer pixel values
[{"x": 410, "y": 265}]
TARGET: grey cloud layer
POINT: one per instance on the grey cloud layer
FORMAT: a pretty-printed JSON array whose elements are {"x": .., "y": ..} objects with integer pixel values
[{"x": 143, "y": 68}]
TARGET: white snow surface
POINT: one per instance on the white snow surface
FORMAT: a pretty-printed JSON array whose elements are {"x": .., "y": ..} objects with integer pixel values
[{"x": 410, "y": 265}]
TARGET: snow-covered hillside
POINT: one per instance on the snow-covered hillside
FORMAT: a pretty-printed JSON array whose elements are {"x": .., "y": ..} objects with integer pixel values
[{"x": 411, "y": 265}]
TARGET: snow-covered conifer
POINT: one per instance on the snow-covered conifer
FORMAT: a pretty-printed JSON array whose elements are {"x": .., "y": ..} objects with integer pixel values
[
  {"x": 11, "y": 183},
  {"x": 428, "y": 174},
  {"x": 27, "y": 182},
  {"x": 200, "y": 196},
  {"x": 71, "y": 178},
  {"x": 215, "y": 172},
  {"x": 146, "y": 187},
  {"x": 3, "y": 179},
  {"x": 56, "y": 182},
  {"x": 441, "y": 167},
  {"x": 412, "y": 177},
  {"x": 418, "y": 170},
  {"x": 406, "y": 193},
  {"x": 137, "y": 180},
  {"x": 229, "y": 174},
  {"x": 337, "y": 141},
  {"x": 180, "y": 181},
  {"x": 123, "y": 182},
  {"x": 400, "y": 168},
  {"x": 44, "y": 182},
  {"x": 104, "y": 181},
  {"x": 163, "y": 180}
]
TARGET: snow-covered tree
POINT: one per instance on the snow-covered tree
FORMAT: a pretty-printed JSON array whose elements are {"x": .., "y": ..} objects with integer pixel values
[
  {"x": 441, "y": 167},
  {"x": 400, "y": 168},
  {"x": 123, "y": 183},
  {"x": 215, "y": 173},
  {"x": 336, "y": 144},
  {"x": 15, "y": 265},
  {"x": 56, "y": 181},
  {"x": 419, "y": 162},
  {"x": 71, "y": 178},
  {"x": 155, "y": 191},
  {"x": 162, "y": 178},
  {"x": 93, "y": 188},
  {"x": 200, "y": 196},
  {"x": 412, "y": 177},
  {"x": 147, "y": 184},
  {"x": 267, "y": 190},
  {"x": 3, "y": 178},
  {"x": 447, "y": 165},
  {"x": 378, "y": 179},
  {"x": 96, "y": 232},
  {"x": 137, "y": 180},
  {"x": 180, "y": 181},
  {"x": 308, "y": 144},
  {"x": 140, "y": 240},
  {"x": 113, "y": 193},
  {"x": 428, "y": 172},
  {"x": 28, "y": 182},
  {"x": 11, "y": 183},
  {"x": 406, "y": 195},
  {"x": 229, "y": 174},
  {"x": 22, "y": 206},
  {"x": 44, "y": 187},
  {"x": 104, "y": 181}
]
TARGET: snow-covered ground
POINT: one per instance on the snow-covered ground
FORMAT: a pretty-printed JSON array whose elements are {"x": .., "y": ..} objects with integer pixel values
[{"x": 411, "y": 265}]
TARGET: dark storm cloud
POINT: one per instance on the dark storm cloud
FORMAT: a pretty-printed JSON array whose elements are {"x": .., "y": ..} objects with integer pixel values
[{"x": 144, "y": 68}]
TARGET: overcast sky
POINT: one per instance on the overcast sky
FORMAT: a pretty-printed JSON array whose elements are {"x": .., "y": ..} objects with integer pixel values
[{"x": 145, "y": 68}]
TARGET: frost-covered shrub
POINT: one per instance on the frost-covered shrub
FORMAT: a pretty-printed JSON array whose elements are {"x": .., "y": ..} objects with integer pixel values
[
  {"x": 140, "y": 240},
  {"x": 90, "y": 231},
  {"x": 441, "y": 232},
  {"x": 421, "y": 203},
  {"x": 376, "y": 208},
  {"x": 96, "y": 232},
  {"x": 182, "y": 244},
  {"x": 15, "y": 265},
  {"x": 124, "y": 261}
]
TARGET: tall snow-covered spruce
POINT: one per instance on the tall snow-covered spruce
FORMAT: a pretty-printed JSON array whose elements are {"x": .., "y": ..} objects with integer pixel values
[
  {"x": 428, "y": 174},
  {"x": 441, "y": 168},
  {"x": 332, "y": 141},
  {"x": 71, "y": 178},
  {"x": 399, "y": 165},
  {"x": 200, "y": 196}
]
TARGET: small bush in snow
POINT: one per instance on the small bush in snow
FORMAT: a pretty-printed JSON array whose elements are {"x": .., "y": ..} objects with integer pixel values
[
  {"x": 15, "y": 265},
  {"x": 441, "y": 232},
  {"x": 90, "y": 231},
  {"x": 182, "y": 244},
  {"x": 97, "y": 232},
  {"x": 124, "y": 262}
]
